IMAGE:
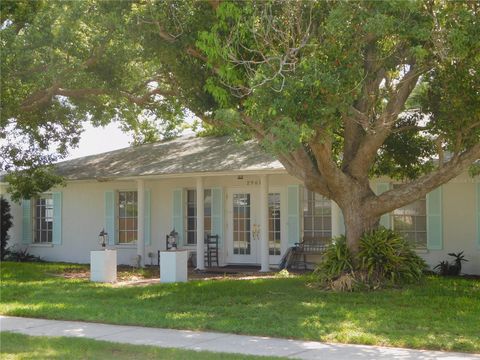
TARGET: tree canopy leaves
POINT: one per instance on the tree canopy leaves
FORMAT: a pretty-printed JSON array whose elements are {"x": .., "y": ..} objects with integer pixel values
[{"x": 337, "y": 90}]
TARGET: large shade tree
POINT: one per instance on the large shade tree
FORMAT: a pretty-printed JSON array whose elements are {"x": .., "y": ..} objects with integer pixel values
[{"x": 339, "y": 91}]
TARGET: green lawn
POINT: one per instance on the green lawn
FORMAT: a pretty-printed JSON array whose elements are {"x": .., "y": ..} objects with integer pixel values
[
  {"x": 17, "y": 347},
  {"x": 442, "y": 313}
]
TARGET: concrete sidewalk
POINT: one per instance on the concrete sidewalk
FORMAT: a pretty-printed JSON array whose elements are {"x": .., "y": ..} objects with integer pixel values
[{"x": 217, "y": 342}]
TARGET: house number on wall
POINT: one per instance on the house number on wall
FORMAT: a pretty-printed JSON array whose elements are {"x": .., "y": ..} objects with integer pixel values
[{"x": 253, "y": 182}]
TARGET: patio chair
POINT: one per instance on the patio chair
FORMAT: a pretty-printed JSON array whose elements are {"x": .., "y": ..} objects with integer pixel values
[{"x": 211, "y": 250}]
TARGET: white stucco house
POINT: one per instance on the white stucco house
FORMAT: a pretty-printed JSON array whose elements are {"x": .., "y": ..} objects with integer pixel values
[{"x": 201, "y": 186}]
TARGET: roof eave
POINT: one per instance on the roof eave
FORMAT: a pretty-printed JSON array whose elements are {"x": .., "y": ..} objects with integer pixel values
[{"x": 184, "y": 175}]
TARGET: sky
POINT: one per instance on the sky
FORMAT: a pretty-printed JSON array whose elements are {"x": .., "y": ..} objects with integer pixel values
[{"x": 98, "y": 140}]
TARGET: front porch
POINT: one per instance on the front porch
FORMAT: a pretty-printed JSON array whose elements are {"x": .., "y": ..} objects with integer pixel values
[
  {"x": 256, "y": 217},
  {"x": 238, "y": 220}
]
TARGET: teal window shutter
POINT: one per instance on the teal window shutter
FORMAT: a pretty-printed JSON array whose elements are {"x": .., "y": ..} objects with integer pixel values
[
  {"x": 217, "y": 213},
  {"x": 57, "y": 218},
  {"x": 293, "y": 213},
  {"x": 177, "y": 214},
  {"x": 27, "y": 226},
  {"x": 385, "y": 218},
  {"x": 147, "y": 224},
  {"x": 478, "y": 215},
  {"x": 110, "y": 217},
  {"x": 434, "y": 220}
]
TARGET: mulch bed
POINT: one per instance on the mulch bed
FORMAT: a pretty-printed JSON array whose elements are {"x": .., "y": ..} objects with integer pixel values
[{"x": 130, "y": 276}]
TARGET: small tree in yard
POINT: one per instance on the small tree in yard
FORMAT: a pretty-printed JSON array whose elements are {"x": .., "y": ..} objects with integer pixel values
[
  {"x": 5, "y": 225},
  {"x": 338, "y": 91}
]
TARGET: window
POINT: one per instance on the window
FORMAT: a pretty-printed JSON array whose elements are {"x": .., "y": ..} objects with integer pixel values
[
  {"x": 411, "y": 222},
  {"x": 192, "y": 215},
  {"x": 127, "y": 217},
  {"x": 317, "y": 216},
  {"x": 43, "y": 219},
  {"x": 274, "y": 229}
]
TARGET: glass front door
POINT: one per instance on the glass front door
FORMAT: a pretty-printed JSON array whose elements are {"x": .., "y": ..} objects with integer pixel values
[{"x": 243, "y": 229}]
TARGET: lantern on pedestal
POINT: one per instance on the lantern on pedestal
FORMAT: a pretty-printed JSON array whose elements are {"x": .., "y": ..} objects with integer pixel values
[{"x": 103, "y": 238}]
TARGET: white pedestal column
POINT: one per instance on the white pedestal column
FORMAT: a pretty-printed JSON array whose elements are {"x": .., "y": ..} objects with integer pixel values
[
  {"x": 141, "y": 221},
  {"x": 103, "y": 266},
  {"x": 200, "y": 225},
  {"x": 264, "y": 251},
  {"x": 173, "y": 266}
]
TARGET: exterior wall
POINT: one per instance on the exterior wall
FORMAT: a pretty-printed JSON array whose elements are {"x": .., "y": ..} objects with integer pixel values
[
  {"x": 83, "y": 216},
  {"x": 82, "y": 221},
  {"x": 459, "y": 226}
]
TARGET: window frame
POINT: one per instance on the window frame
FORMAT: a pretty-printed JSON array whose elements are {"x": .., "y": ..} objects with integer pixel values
[
  {"x": 321, "y": 233},
  {"x": 415, "y": 243},
  {"x": 35, "y": 219},
  {"x": 118, "y": 217}
]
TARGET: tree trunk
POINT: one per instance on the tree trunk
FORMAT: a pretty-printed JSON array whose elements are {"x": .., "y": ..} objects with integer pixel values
[
  {"x": 358, "y": 219},
  {"x": 357, "y": 222}
]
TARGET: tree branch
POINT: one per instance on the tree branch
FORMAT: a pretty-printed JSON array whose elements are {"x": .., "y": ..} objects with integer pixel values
[
  {"x": 197, "y": 54},
  {"x": 298, "y": 162},
  {"x": 44, "y": 96},
  {"x": 409, "y": 192},
  {"x": 321, "y": 146},
  {"x": 214, "y": 4},
  {"x": 353, "y": 133},
  {"x": 142, "y": 100},
  {"x": 80, "y": 93},
  {"x": 362, "y": 110},
  {"x": 409, "y": 128},
  {"x": 39, "y": 98},
  {"x": 312, "y": 178},
  {"x": 367, "y": 150}
]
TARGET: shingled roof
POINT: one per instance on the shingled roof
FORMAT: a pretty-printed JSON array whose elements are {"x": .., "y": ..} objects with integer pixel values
[{"x": 185, "y": 155}]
